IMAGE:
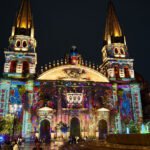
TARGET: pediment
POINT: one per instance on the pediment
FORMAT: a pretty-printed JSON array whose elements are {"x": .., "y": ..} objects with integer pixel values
[{"x": 73, "y": 73}]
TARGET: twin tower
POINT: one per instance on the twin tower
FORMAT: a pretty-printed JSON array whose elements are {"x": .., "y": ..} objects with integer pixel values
[{"x": 21, "y": 56}]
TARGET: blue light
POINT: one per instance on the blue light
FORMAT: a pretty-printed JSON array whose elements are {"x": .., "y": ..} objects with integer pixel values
[
  {"x": 127, "y": 130},
  {"x": 143, "y": 129},
  {"x": 1, "y": 139}
]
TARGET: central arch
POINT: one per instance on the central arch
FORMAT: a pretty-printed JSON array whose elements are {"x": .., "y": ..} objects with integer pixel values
[
  {"x": 102, "y": 125},
  {"x": 75, "y": 127},
  {"x": 45, "y": 130}
]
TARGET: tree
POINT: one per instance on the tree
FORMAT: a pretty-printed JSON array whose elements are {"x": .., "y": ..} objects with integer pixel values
[
  {"x": 133, "y": 127},
  {"x": 63, "y": 127},
  {"x": 6, "y": 124}
]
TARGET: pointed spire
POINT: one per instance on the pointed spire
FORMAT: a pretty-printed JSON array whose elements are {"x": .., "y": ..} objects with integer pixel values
[
  {"x": 113, "y": 32},
  {"x": 24, "y": 20}
]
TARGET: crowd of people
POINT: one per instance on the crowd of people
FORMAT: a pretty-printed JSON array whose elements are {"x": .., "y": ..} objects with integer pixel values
[
  {"x": 13, "y": 144},
  {"x": 37, "y": 144},
  {"x": 76, "y": 139},
  {"x": 19, "y": 143}
]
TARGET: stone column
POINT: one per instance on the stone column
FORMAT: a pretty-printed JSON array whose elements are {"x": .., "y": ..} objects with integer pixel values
[
  {"x": 136, "y": 103},
  {"x": 27, "y": 124},
  {"x": 59, "y": 111},
  {"x": 5, "y": 96},
  {"x": 117, "y": 117}
]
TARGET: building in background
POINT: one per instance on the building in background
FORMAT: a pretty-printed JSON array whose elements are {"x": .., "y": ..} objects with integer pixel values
[{"x": 70, "y": 97}]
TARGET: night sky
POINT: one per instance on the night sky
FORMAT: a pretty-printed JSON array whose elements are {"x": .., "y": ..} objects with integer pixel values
[{"x": 59, "y": 24}]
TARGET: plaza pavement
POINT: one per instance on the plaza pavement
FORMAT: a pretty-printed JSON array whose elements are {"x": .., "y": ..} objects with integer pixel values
[
  {"x": 101, "y": 145},
  {"x": 52, "y": 146},
  {"x": 88, "y": 145}
]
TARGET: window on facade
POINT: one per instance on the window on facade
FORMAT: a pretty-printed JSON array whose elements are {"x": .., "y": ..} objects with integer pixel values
[
  {"x": 13, "y": 66},
  {"x": 126, "y": 72},
  {"x": 122, "y": 51},
  {"x": 24, "y": 44},
  {"x": 116, "y": 69},
  {"x": 18, "y": 43},
  {"x": 25, "y": 67}
]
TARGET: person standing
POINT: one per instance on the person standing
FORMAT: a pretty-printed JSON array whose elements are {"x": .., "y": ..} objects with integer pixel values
[
  {"x": 36, "y": 140},
  {"x": 16, "y": 147}
]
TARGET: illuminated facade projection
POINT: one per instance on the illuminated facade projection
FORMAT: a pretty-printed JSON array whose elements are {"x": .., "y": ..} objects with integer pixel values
[{"x": 70, "y": 97}]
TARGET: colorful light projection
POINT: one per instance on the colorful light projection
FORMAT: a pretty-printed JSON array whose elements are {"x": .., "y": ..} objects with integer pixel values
[
  {"x": 4, "y": 97},
  {"x": 124, "y": 97},
  {"x": 19, "y": 93},
  {"x": 27, "y": 116},
  {"x": 136, "y": 103},
  {"x": 15, "y": 97},
  {"x": 103, "y": 97},
  {"x": 117, "y": 99},
  {"x": 15, "y": 109},
  {"x": 74, "y": 99}
]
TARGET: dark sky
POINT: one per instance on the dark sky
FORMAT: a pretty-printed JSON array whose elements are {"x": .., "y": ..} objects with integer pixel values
[{"x": 62, "y": 23}]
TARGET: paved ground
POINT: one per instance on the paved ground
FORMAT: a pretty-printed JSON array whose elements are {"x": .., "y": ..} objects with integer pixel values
[
  {"x": 52, "y": 146},
  {"x": 58, "y": 146},
  {"x": 89, "y": 145},
  {"x": 97, "y": 145}
]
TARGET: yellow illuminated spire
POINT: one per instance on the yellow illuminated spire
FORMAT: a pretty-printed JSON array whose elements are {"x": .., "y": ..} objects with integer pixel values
[
  {"x": 112, "y": 27},
  {"x": 24, "y": 18},
  {"x": 24, "y": 22}
]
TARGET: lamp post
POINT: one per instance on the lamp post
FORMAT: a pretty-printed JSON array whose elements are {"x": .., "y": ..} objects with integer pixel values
[{"x": 14, "y": 110}]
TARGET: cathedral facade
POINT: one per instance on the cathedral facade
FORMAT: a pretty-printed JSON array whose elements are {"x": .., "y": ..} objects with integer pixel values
[{"x": 69, "y": 97}]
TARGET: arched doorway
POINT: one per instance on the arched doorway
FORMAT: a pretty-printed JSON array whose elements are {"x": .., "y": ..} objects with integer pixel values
[
  {"x": 45, "y": 130},
  {"x": 102, "y": 125},
  {"x": 75, "y": 127}
]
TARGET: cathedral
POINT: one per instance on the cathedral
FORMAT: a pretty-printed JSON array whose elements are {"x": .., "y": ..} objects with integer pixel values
[{"x": 71, "y": 96}]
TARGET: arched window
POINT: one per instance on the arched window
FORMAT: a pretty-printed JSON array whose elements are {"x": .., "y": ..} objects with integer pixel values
[
  {"x": 25, "y": 67},
  {"x": 126, "y": 72},
  {"x": 122, "y": 51},
  {"x": 116, "y": 69},
  {"x": 13, "y": 66}
]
